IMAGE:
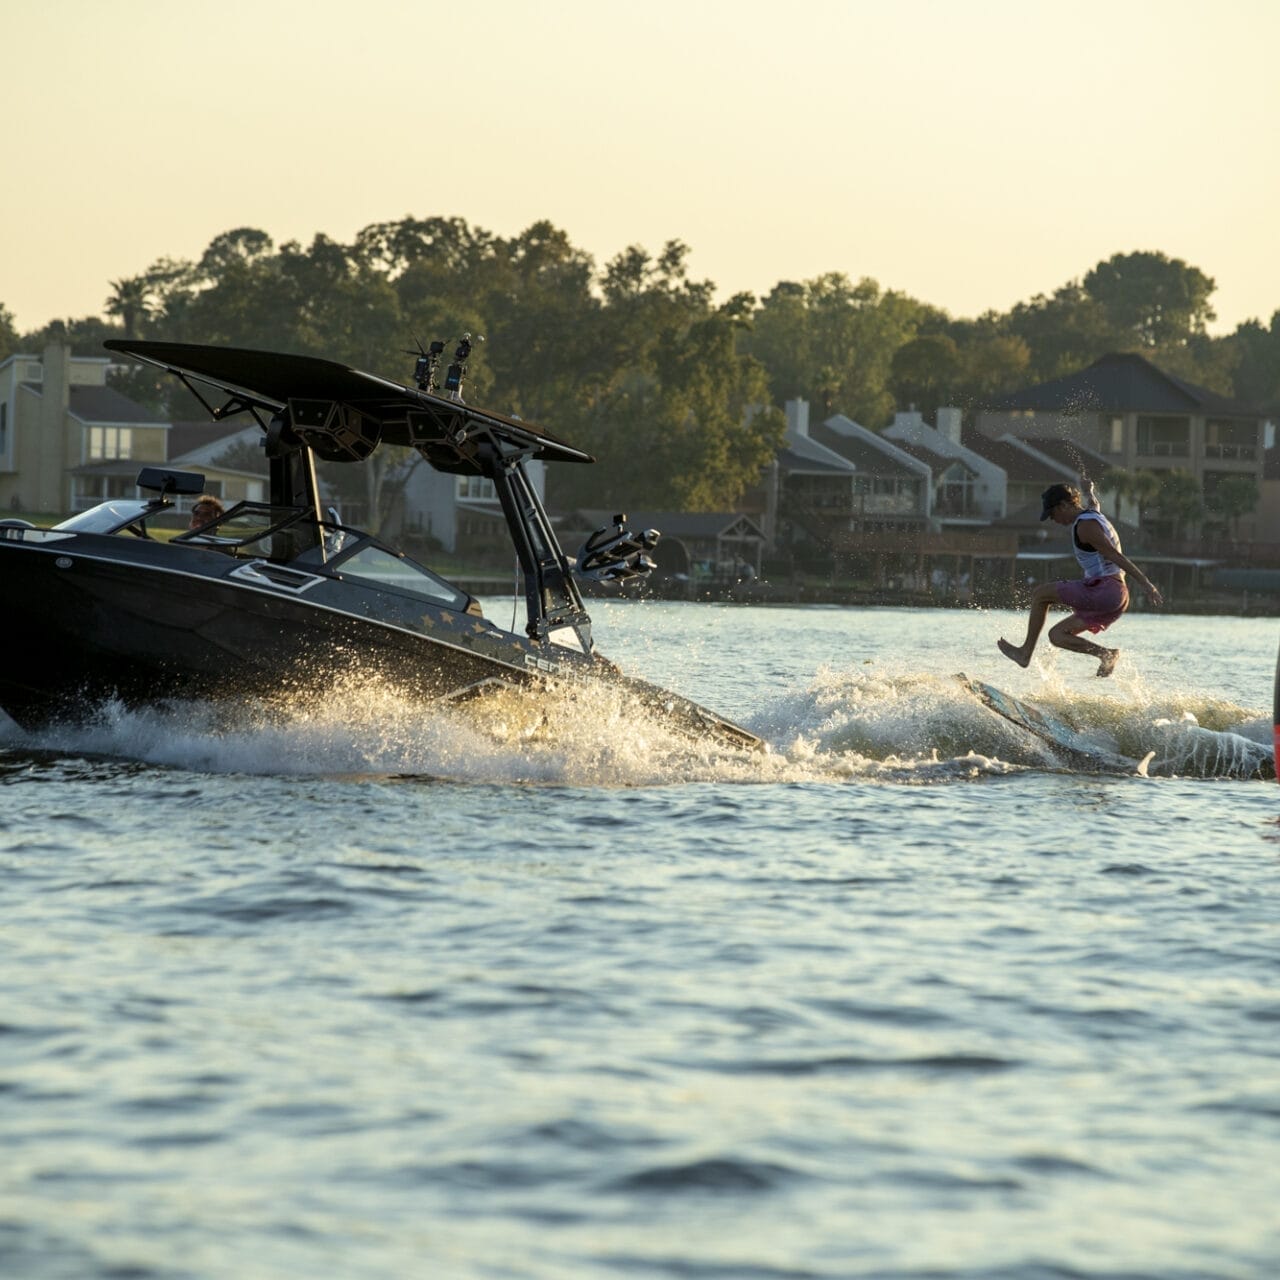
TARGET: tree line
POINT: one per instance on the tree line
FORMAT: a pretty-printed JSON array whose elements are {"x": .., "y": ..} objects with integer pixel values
[{"x": 676, "y": 393}]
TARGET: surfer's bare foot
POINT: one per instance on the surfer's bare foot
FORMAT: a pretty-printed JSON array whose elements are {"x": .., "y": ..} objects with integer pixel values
[
  {"x": 1015, "y": 654},
  {"x": 1108, "y": 663}
]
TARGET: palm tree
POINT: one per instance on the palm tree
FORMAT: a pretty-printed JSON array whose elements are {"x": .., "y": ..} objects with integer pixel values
[
  {"x": 1141, "y": 487},
  {"x": 130, "y": 300},
  {"x": 1234, "y": 497},
  {"x": 1179, "y": 500}
]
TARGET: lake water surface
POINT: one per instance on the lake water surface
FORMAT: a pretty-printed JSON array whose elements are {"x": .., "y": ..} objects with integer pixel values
[{"x": 350, "y": 991}]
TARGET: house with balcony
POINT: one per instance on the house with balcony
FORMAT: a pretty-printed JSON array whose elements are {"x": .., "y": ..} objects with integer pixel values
[
  {"x": 842, "y": 496},
  {"x": 891, "y": 489},
  {"x": 67, "y": 440},
  {"x": 1135, "y": 416},
  {"x": 830, "y": 483}
]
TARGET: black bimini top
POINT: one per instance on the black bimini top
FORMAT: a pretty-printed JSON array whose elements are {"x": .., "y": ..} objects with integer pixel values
[{"x": 344, "y": 413}]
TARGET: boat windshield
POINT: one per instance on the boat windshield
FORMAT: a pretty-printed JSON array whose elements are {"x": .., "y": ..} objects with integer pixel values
[
  {"x": 374, "y": 564},
  {"x": 107, "y": 517},
  {"x": 259, "y": 529},
  {"x": 291, "y": 534}
]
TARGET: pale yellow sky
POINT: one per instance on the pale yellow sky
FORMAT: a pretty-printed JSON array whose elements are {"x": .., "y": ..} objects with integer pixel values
[{"x": 969, "y": 153}]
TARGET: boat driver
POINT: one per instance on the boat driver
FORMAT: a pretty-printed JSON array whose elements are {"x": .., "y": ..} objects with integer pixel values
[{"x": 206, "y": 510}]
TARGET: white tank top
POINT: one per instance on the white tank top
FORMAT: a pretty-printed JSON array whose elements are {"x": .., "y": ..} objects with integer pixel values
[{"x": 1092, "y": 565}]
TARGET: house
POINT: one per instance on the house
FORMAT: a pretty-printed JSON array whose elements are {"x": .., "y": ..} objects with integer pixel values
[
  {"x": 1137, "y": 417},
  {"x": 1269, "y": 504},
  {"x": 844, "y": 476},
  {"x": 67, "y": 440},
  {"x": 461, "y": 513},
  {"x": 892, "y": 489},
  {"x": 228, "y": 454},
  {"x": 804, "y": 478},
  {"x": 864, "y": 503},
  {"x": 1028, "y": 471},
  {"x": 968, "y": 489}
]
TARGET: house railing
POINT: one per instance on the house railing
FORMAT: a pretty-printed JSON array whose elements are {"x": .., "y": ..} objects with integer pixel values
[{"x": 1164, "y": 449}]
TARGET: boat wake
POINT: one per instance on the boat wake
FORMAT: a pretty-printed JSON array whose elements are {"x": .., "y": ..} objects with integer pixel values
[
  {"x": 849, "y": 724},
  {"x": 941, "y": 724}
]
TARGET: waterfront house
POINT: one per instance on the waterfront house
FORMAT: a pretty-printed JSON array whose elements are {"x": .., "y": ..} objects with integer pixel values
[
  {"x": 1138, "y": 417},
  {"x": 967, "y": 488},
  {"x": 67, "y": 440}
]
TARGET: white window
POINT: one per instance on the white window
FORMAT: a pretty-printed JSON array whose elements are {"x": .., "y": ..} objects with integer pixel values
[
  {"x": 476, "y": 489},
  {"x": 1115, "y": 443},
  {"x": 102, "y": 444}
]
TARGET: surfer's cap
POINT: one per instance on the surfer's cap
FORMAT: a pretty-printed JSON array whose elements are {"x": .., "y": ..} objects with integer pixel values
[{"x": 1055, "y": 494}]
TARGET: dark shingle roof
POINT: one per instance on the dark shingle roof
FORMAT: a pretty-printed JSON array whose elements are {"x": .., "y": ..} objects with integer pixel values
[
  {"x": 1121, "y": 382},
  {"x": 1016, "y": 462},
  {"x": 790, "y": 460},
  {"x": 105, "y": 405},
  {"x": 938, "y": 463},
  {"x": 866, "y": 457}
]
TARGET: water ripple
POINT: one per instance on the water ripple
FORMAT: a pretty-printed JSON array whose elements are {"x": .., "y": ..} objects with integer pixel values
[{"x": 724, "y": 1174}]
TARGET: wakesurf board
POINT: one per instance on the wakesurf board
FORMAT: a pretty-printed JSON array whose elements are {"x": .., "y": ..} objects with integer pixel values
[{"x": 1067, "y": 743}]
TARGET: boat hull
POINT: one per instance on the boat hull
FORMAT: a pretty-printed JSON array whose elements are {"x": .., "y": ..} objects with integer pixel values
[
  {"x": 101, "y": 628},
  {"x": 142, "y": 622}
]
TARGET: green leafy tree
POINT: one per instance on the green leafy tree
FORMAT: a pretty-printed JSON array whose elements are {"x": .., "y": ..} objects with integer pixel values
[
  {"x": 992, "y": 365},
  {"x": 682, "y": 417},
  {"x": 1210, "y": 362},
  {"x": 1256, "y": 372},
  {"x": 543, "y": 322},
  {"x": 721, "y": 432},
  {"x": 925, "y": 372},
  {"x": 1151, "y": 298},
  {"x": 636, "y": 362},
  {"x": 441, "y": 249},
  {"x": 84, "y": 336},
  {"x": 1062, "y": 333},
  {"x": 832, "y": 342},
  {"x": 8, "y": 333}
]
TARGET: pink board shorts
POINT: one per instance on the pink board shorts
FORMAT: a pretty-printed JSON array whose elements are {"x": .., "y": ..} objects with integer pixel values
[{"x": 1097, "y": 602}]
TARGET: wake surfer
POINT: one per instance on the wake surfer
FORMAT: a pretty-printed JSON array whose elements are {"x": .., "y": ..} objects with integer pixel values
[{"x": 1098, "y": 599}]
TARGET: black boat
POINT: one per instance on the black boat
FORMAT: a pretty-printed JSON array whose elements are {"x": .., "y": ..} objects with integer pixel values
[{"x": 281, "y": 596}]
